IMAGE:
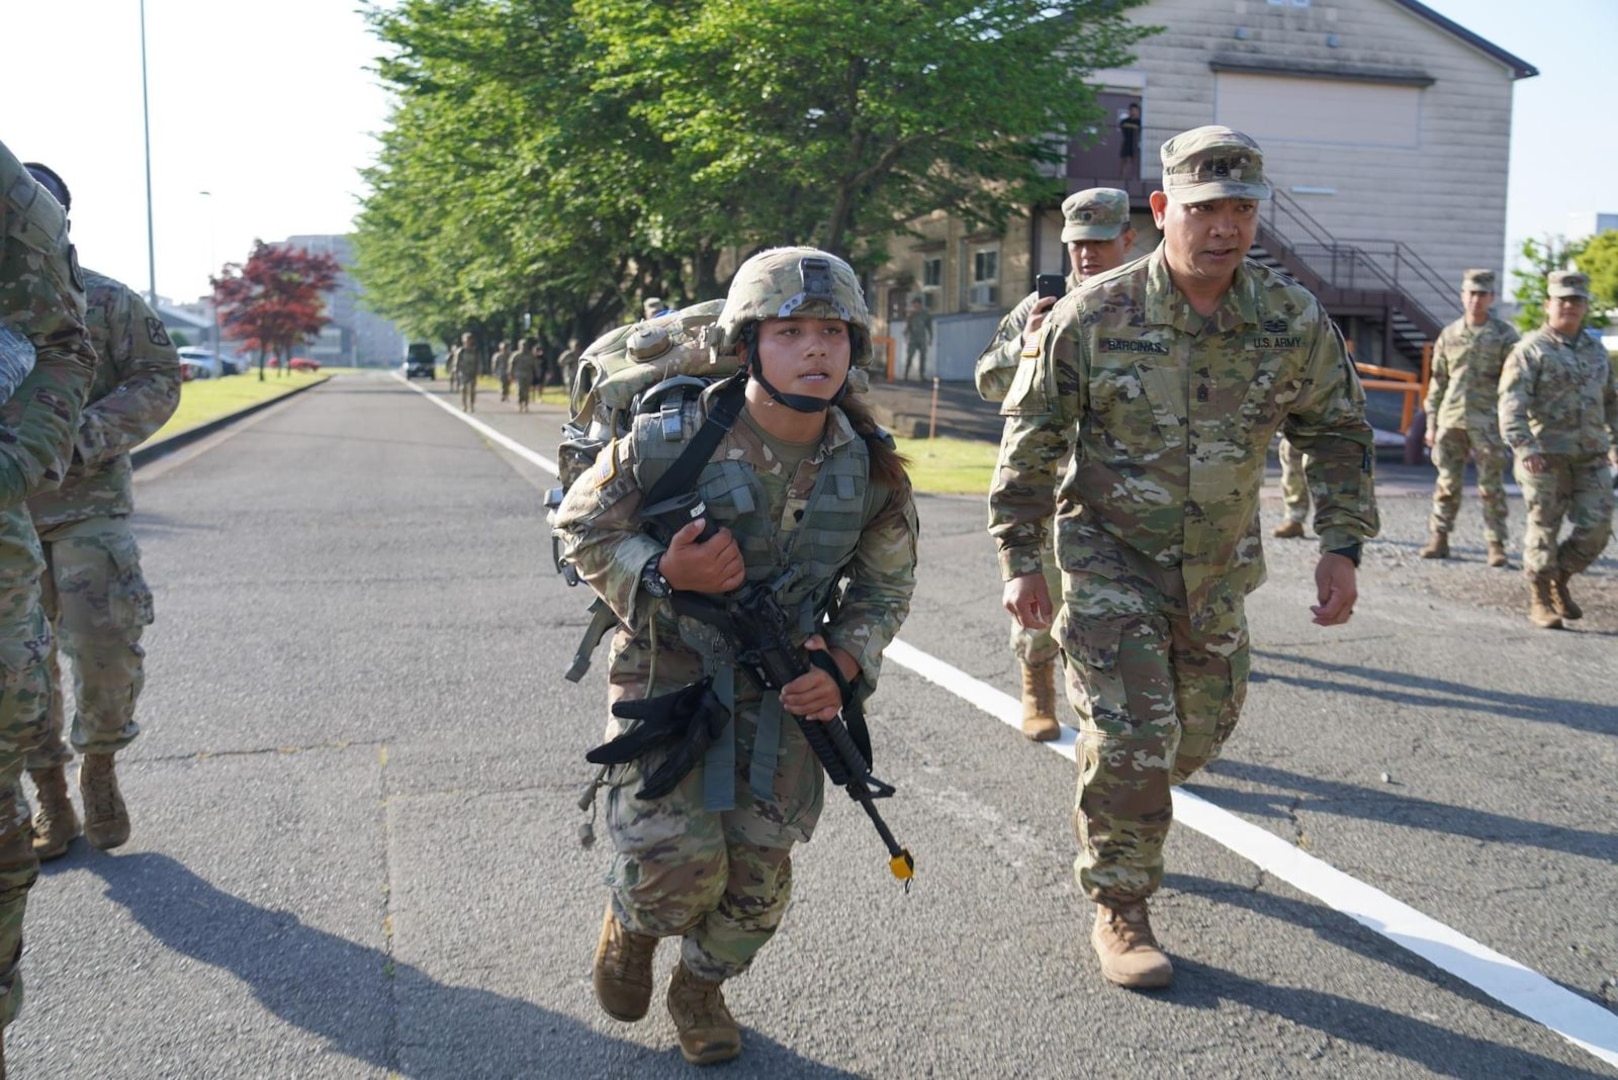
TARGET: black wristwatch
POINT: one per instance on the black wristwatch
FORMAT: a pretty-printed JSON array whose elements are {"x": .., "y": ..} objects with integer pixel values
[
  {"x": 652, "y": 580},
  {"x": 1351, "y": 553}
]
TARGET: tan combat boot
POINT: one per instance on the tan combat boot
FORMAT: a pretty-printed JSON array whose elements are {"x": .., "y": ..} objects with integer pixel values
[
  {"x": 106, "y": 819},
  {"x": 1288, "y": 530},
  {"x": 1437, "y": 546},
  {"x": 1497, "y": 553},
  {"x": 55, "y": 823},
  {"x": 1562, "y": 599},
  {"x": 1542, "y": 604},
  {"x": 1128, "y": 951},
  {"x": 708, "y": 1033},
  {"x": 623, "y": 970},
  {"x": 1039, "y": 702}
]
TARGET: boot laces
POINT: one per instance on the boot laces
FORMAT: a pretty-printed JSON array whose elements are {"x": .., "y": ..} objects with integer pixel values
[
  {"x": 1130, "y": 923},
  {"x": 629, "y": 951},
  {"x": 99, "y": 793}
]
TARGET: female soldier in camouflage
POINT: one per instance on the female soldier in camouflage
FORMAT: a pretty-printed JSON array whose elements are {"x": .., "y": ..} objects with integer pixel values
[{"x": 812, "y": 498}]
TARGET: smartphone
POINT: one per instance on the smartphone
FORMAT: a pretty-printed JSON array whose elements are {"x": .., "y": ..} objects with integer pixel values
[{"x": 1050, "y": 285}]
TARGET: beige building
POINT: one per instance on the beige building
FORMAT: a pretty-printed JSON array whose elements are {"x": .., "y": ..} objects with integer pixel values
[{"x": 1386, "y": 129}]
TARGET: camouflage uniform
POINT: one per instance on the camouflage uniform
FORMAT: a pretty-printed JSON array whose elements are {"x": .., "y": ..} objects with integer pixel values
[
  {"x": 1294, "y": 482},
  {"x": 1462, "y": 417},
  {"x": 95, "y": 595},
  {"x": 1169, "y": 415},
  {"x": 1096, "y": 213},
  {"x": 524, "y": 366},
  {"x": 711, "y": 861},
  {"x": 1559, "y": 398},
  {"x": 566, "y": 365},
  {"x": 468, "y": 363},
  {"x": 42, "y": 295},
  {"x": 918, "y": 335},
  {"x": 502, "y": 371}
]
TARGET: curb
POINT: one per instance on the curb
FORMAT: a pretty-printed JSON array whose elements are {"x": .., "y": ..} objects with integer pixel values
[{"x": 150, "y": 452}]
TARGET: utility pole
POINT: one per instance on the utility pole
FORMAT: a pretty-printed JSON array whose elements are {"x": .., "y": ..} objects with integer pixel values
[{"x": 146, "y": 123}]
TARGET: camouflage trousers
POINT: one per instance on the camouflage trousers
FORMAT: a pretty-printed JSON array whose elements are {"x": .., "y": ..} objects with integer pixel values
[
  {"x": 1035, "y": 648},
  {"x": 1578, "y": 488},
  {"x": 1294, "y": 484},
  {"x": 24, "y": 641},
  {"x": 525, "y": 387},
  {"x": 98, "y": 604},
  {"x": 1157, "y": 697},
  {"x": 1451, "y": 446},
  {"x": 505, "y": 387},
  {"x": 469, "y": 392},
  {"x": 719, "y": 880}
]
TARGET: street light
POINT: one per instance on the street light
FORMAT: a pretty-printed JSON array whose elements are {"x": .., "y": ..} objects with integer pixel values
[
  {"x": 213, "y": 305},
  {"x": 146, "y": 124}
]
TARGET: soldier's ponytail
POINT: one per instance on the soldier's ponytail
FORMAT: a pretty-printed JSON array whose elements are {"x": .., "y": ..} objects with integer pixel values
[{"x": 887, "y": 464}]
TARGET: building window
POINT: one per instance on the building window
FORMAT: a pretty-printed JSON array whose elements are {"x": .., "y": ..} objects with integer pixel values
[
  {"x": 985, "y": 285},
  {"x": 932, "y": 281}
]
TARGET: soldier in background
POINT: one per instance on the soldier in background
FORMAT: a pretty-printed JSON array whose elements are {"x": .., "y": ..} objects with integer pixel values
[
  {"x": 567, "y": 364},
  {"x": 1463, "y": 416},
  {"x": 468, "y": 361},
  {"x": 918, "y": 335},
  {"x": 1294, "y": 492},
  {"x": 653, "y": 307},
  {"x": 1147, "y": 377},
  {"x": 451, "y": 364},
  {"x": 41, "y": 296},
  {"x": 502, "y": 369},
  {"x": 1099, "y": 238},
  {"x": 524, "y": 366},
  {"x": 1559, "y": 414},
  {"x": 94, "y": 593}
]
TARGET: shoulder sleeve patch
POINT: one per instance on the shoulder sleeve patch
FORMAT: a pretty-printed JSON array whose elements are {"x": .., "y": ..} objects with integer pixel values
[{"x": 155, "y": 332}]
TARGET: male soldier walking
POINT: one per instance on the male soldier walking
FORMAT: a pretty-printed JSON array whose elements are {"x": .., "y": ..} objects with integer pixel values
[
  {"x": 1166, "y": 380},
  {"x": 502, "y": 369},
  {"x": 567, "y": 364},
  {"x": 1294, "y": 492},
  {"x": 93, "y": 591},
  {"x": 1559, "y": 414},
  {"x": 918, "y": 335},
  {"x": 1099, "y": 238},
  {"x": 468, "y": 362},
  {"x": 524, "y": 366},
  {"x": 1463, "y": 418},
  {"x": 42, "y": 296}
]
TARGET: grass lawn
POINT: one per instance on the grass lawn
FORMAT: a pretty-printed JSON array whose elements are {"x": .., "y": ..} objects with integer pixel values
[
  {"x": 950, "y": 466},
  {"x": 208, "y": 399}
]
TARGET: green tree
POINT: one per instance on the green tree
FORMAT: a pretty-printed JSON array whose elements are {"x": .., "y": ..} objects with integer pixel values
[
  {"x": 1599, "y": 259},
  {"x": 561, "y": 160}
]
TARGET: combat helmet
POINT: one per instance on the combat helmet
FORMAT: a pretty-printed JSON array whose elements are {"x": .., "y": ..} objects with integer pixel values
[{"x": 793, "y": 282}]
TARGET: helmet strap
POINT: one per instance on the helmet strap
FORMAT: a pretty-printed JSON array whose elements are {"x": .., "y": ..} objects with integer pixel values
[{"x": 804, "y": 403}]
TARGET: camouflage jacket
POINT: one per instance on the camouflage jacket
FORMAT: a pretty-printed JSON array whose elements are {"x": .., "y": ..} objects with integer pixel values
[
  {"x": 466, "y": 363},
  {"x": 41, "y": 295},
  {"x": 1559, "y": 396},
  {"x": 136, "y": 389},
  {"x": 1168, "y": 415},
  {"x": 997, "y": 365},
  {"x": 525, "y": 366},
  {"x": 1465, "y": 386},
  {"x": 502, "y": 364},
  {"x": 599, "y": 522}
]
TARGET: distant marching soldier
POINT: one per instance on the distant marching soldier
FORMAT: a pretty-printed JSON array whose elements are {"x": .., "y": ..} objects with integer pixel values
[
  {"x": 502, "y": 369},
  {"x": 524, "y": 366},
  {"x": 468, "y": 362}
]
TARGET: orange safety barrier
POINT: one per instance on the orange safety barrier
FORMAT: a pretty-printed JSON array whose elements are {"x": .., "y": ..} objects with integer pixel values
[
  {"x": 1408, "y": 383},
  {"x": 885, "y": 344}
]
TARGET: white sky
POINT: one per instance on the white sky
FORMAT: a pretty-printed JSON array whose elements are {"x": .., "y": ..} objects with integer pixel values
[{"x": 270, "y": 106}]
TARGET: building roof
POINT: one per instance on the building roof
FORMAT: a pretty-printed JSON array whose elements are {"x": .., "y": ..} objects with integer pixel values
[{"x": 1520, "y": 68}]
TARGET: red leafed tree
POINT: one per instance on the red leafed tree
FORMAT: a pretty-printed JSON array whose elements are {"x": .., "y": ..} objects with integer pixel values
[{"x": 272, "y": 303}]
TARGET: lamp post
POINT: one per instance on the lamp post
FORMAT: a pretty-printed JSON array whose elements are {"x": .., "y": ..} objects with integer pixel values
[
  {"x": 146, "y": 124},
  {"x": 213, "y": 305}
]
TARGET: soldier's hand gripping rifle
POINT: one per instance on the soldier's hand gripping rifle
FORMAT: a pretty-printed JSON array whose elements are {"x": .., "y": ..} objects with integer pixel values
[{"x": 752, "y": 620}]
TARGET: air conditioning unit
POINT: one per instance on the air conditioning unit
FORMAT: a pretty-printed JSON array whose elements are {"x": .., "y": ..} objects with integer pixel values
[{"x": 983, "y": 295}]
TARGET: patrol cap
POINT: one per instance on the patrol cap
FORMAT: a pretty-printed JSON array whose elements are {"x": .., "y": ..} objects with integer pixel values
[
  {"x": 1213, "y": 162},
  {"x": 1100, "y": 213},
  {"x": 1568, "y": 283},
  {"x": 1477, "y": 281}
]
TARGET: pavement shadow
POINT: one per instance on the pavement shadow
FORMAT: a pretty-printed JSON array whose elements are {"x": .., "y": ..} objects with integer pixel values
[
  {"x": 1404, "y": 688},
  {"x": 1440, "y": 1050},
  {"x": 1388, "y": 806},
  {"x": 350, "y": 995}
]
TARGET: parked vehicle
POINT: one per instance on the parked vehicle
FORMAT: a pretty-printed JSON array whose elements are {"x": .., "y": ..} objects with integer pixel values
[
  {"x": 419, "y": 361},
  {"x": 192, "y": 368},
  {"x": 201, "y": 359}
]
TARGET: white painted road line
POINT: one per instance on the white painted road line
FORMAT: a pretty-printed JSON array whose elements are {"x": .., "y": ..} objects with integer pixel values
[
  {"x": 1581, "y": 1022},
  {"x": 484, "y": 429}
]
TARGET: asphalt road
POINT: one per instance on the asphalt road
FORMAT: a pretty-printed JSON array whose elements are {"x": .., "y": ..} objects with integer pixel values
[{"x": 354, "y": 851}]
